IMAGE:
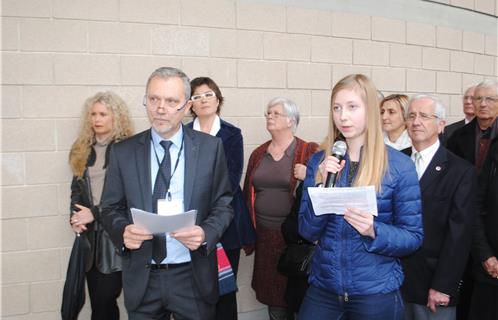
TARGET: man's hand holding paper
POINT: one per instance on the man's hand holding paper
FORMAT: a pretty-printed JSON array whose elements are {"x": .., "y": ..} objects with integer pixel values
[
  {"x": 155, "y": 223},
  {"x": 191, "y": 237},
  {"x": 134, "y": 236}
]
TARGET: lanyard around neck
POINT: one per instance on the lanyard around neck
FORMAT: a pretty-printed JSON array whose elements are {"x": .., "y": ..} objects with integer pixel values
[{"x": 168, "y": 193}]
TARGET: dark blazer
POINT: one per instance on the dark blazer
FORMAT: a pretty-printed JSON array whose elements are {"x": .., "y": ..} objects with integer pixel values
[
  {"x": 102, "y": 252},
  {"x": 241, "y": 231},
  {"x": 448, "y": 208},
  {"x": 463, "y": 141},
  {"x": 485, "y": 237},
  {"x": 450, "y": 129},
  {"x": 206, "y": 188}
]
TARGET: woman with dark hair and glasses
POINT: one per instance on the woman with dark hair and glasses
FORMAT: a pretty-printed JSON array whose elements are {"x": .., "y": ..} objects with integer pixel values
[
  {"x": 272, "y": 174},
  {"x": 206, "y": 104}
]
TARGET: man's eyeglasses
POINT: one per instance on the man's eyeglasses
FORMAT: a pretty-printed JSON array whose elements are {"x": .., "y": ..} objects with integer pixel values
[
  {"x": 208, "y": 95},
  {"x": 154, "y": 102},
  {"x": 274, "y": 115},
  {"x": 485, "y": 99},
  {"x": 423, "y": 116}
]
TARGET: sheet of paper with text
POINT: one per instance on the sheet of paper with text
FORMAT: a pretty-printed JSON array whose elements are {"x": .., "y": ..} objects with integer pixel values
[{"x": 337, "y": 200}]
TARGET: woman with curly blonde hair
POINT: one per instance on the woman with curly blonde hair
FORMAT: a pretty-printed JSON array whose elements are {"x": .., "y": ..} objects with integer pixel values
[{"x": 105, "y": 120}]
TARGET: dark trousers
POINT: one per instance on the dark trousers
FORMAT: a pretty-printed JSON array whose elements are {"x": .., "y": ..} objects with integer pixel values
[
  {"x": 226, "y": 308},
  {"x": 172, "y": 292},
  {"x": 465, "y": 296},
  {"x": 321, "y": 304},
  {"x": 421, "y": 312},
  {"x": 104, "y": 289},
  {"x": 484, "y": 304}
]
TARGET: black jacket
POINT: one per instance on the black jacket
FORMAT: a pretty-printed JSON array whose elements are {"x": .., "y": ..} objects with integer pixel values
[
  {"x": 463, "y": 141},
  {"x": 450, "y": 129},
  {"x": 448, "y": 188},
  {"x": 103, "y": 253},
  {"x": 241, "y": 231},
  {"x": 485, "y": 237}
]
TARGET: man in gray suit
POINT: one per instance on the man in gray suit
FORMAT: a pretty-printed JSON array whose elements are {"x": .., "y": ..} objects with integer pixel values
[{"x": 168, "y": 169}]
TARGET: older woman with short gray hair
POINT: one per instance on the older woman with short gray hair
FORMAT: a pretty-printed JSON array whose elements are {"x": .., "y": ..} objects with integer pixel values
[{"x": 272, "y": 174}]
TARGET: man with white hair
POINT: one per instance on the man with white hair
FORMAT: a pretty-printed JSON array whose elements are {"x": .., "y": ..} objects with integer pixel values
[
  {"x": 447, "y": 184},
  {"x": 468, "y": 111},
  {"x": 485, "y": 241},
  {"x": 471, "y": 142}
]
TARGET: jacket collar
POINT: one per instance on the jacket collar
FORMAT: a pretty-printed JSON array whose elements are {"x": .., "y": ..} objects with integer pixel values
[
  {"x": 142, "y": 154},
  {"x": 191, "y": 157},
  {"x": 436, "y": 167}
]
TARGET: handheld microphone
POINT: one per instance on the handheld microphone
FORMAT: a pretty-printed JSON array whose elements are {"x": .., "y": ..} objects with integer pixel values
[{"x": 339, "y": 151}]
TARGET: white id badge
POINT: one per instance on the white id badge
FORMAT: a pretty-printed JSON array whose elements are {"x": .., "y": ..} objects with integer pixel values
[{"x": 169, "y": 207}]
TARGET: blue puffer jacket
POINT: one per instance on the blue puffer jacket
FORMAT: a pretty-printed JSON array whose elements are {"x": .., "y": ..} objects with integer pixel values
[{"x": 347, "y": 263}]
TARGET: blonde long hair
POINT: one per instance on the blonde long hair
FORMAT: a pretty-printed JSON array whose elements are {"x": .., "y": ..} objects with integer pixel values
[
  {"x": 373, "y": 163},
  {"x": 121, "y": 128}
]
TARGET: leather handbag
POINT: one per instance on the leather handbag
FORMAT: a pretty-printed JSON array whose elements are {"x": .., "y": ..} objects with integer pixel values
[
  {"x": 295, "y": 261},
  {"x": 107, "y": 259},
  {"x": 73, "y": 297}
]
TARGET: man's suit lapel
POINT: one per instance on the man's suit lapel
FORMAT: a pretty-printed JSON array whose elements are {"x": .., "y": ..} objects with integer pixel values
[
  {"x": 191, "y": 156},
  {"x": 142, "y": 154},
  {"x": 436, "y": 167}
]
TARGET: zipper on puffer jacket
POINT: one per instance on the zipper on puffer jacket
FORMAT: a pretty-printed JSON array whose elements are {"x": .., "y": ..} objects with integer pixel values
[{"x": 344, "y": 267}]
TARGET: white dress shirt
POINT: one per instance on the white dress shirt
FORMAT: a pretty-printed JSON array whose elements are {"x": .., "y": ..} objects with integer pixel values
[
  {"x": 426, "y": 156},
  {"x": 214, "y": 128}
]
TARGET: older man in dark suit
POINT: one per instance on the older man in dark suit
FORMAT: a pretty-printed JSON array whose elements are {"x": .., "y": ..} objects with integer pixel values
[
  {"x": 471, "y": 142},
  {"x": 447, "y": 183},
  {"x": 168, "y": 169},
  {"x": 485, "y": 241},
  {"x": 468, "y": 111}
]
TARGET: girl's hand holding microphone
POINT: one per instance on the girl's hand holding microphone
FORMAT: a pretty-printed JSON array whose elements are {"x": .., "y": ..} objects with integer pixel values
[{"x": 330, "y": 165}]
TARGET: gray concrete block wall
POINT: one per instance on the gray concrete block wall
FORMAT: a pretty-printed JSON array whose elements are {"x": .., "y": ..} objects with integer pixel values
[{"x": 56, "y": 53}]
